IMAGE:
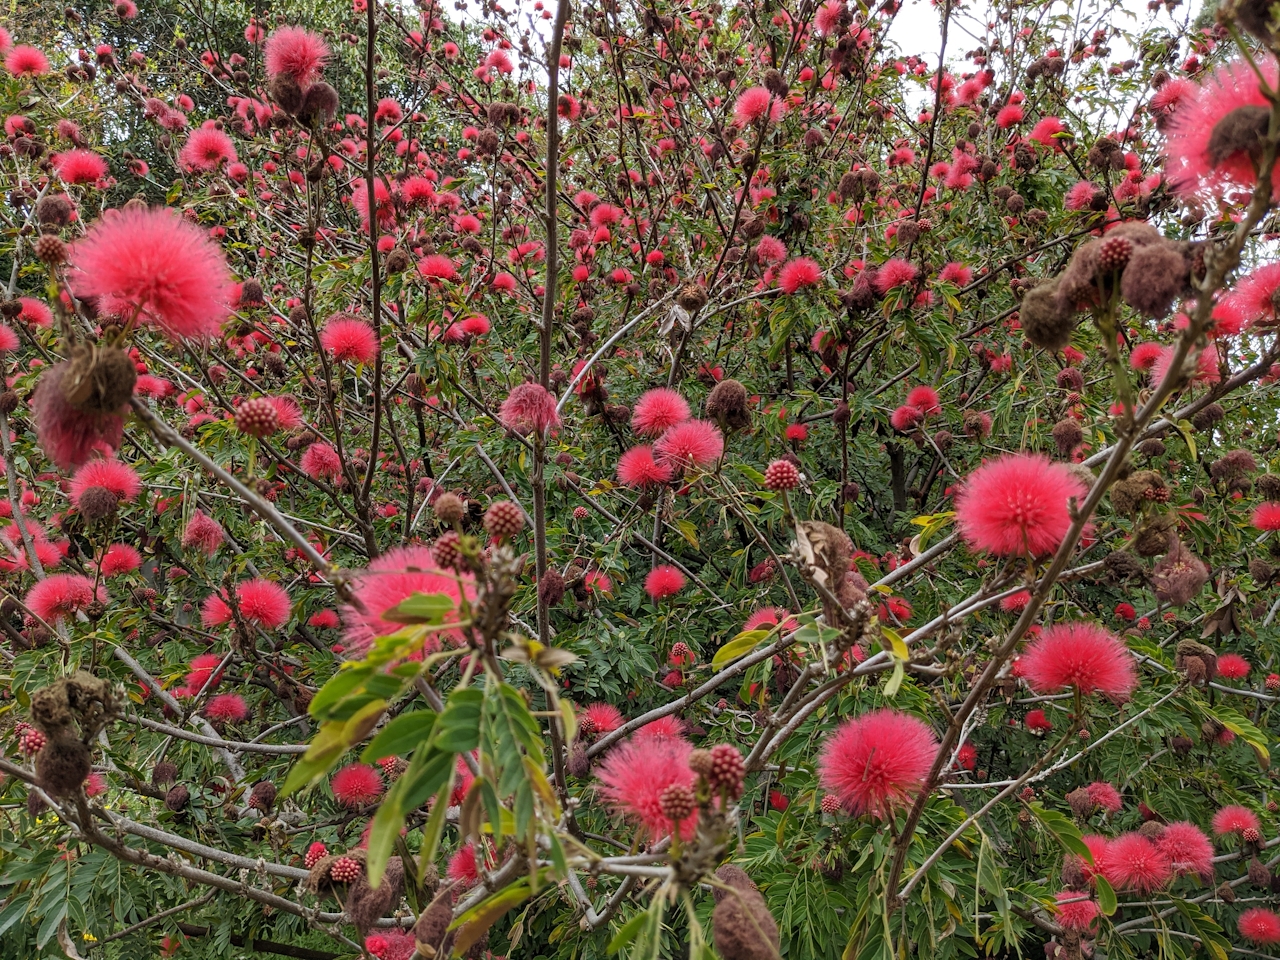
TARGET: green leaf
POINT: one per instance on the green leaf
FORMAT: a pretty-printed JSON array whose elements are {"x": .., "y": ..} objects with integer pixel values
[
  {"x": 1106, "y": 895},
  {"x": 628, "y": 932},
  {"x": 739, "y": 646},
  {"x": 473, "y": 924},
  {"x": 458, "y": 729},
  {"x": 895, "y": 679},
  {"x": 385, "y": 831},
  {"x": 1245, "y": 730},
  {"x": 340, "y": 685},
  {"x": 689, "y": 531},
  {"x": 429, "y": 608},
  {"x": 1063, "y": 830},
  {"x": 896, "y": 645},
  {"x": 325, "y": 750},
  {"x": 401, "y": 736}
]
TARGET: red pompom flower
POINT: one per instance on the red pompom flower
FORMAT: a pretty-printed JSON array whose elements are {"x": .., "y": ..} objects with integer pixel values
[
  {"x": 1081, "y": 655},
  {"x": 877, "y": 762}
]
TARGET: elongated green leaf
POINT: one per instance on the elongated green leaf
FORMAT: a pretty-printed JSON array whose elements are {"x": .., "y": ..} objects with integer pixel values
[
  {"x": 458, "y": 729},
  {"x": 401, "y": 736},
  {"x": 473, "y": 924},
  {"x": 1106, "y": 895},
  {"x": 1063, "y": 830},
  {"x": 739, "y": 646},
  {"x": 340, "y": 685},
  {"x": 325, "y": 750},
  {"x": 421, "y": 608}
]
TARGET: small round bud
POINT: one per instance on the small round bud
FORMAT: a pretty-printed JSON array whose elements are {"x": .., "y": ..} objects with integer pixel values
[
  {"x": 781, "y": 475},
  {"x": 315, "y": 853},
  {"x": 677, "y": 802},
  {"x": 449, "y": 508},
  {"x": 727, "y": 769},
  {"x": 50, "y": 249},
  {"x": 830, "y": 803},
  {"x": 446, "y": 550},
  {"x": 503, "y": 519},
  {"x": 700, "y": 762},
  {"x": 257, "y": 417},
  {"x": 344, "y": 870}
]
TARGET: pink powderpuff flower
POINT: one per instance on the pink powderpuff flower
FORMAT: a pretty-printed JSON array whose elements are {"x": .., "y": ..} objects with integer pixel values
[
  {"x": 637, "y": 468},
  {"x": 892, "y": 274},
  {"x": 26, "y": 61},
  {"x": 207, "y": 149},
  {"x": 324, "y": 620},
  {"x": 61, "y": 596},
  {"x": 1081, "y": 655},
  {"x": 752, "y": 104},
  {"x": 694, "y": 443},
  {"x": 1105, "y": 796},
  {"x": 1266, "y": 516},
  {"x": 1259, "y": 926},
  {"x": 1255, "y": 295},
  {"x": 1203, "y": 365},
  {"x": 1097, "y": 847},
  {"x": 1016, "y": 602},
  {"x": 321, "y": 462},
  {"x": 1076, "y": 910},
  {"x": 1144, "y": 355},
  {"x": 464, "y": 866},
  {"x": 1196, "y": 162},
  {"x": 392, "y": 578},
  {"x": 1017, "y": 504},
  {"x": 634, "y": 775},
  {"x": 296, "y": 53},
  {"x": 827, "y": 21},
  {"x": 906, "y": 418},
  {"x": 1189, "y": 851},
  {"x": 119, "y": 559},
  {"x": 657, "y": 411},
  {"x": 664, "y": 728},
  {"x": 70, "y": 437},
  {"x": 663, "y": 581},
  {"x": 201, "y": 673},
  {"x": 1045, "y": 132},
  {"x": 35, "y": 313},
  {"x": 203, "y": 534},
  {"x": 799, "y": 273},
  {"x": 356, "y": 785},
  {"x": 529, "y": 408},
  {"x": 215, "y": 611},
  {"x": 1232, "y": 666},
  {"x": 288, "y": 413},
  {"x": 1234, "y": 818},
  {"x": 877, "y": 762},
  {"x": 1136, "y": 864},
  {"x": 925, "y": 399},
  {"x": 770, "y": 250},
  {"x": 603, "y": 717},
  {"x": 119, "y": 478},
  {"x": 95, "y": 784},
  {"x": 79, "y": 166},
  {"x": 766, "y": 618},
  {"x": 1080, "y": 196},
  {"x": 6, "y": 41},
  {"x": 349, "y": 340},
  {"x": 1009, "y": 116},
  {"x": 153, "y": 263},
  {"x": 226, "y": 708},
  {"x": 956, "y": 274},
  {"x": 264, "y": 603},
  {"x": 436, "y": 266},
  {"x": 382, "y": 195}
]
